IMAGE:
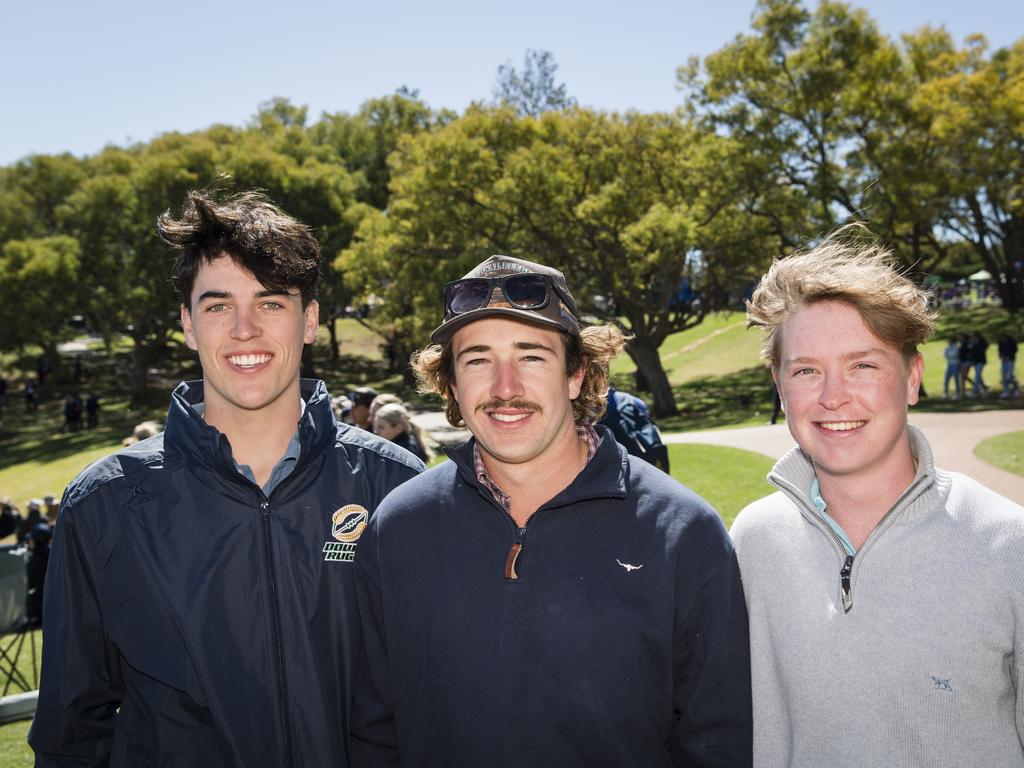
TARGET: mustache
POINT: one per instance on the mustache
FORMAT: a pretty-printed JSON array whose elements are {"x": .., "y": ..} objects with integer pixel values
[{"x": 522, "y": 405}]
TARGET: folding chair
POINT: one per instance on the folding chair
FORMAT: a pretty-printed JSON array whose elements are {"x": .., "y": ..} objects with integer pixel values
[{"x": 15, "y": 629}]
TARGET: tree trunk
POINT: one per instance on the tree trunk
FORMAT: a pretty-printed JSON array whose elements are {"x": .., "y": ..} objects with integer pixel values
[
  {"x": 647, "y": 360},
  {"x": 140, "y": 371},
  {"x": 332, "y": 329},
  {"x": 1012, "y": 291}
]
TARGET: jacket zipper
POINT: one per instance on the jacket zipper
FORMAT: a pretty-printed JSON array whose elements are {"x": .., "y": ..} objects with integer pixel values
[
  {"x": 275, "y": 623},
  {"x": 846, "y": 571}
]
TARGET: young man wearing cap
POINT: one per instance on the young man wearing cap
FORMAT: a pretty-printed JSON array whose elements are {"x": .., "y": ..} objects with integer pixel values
[
  {"x": 885, "y": 595},
  {"x": 544, "y": 598},
  {"x": 200, "y": 606}
]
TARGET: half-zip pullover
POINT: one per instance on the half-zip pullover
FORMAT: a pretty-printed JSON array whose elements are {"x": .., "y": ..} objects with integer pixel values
[
  {"x": 614, "y": 636},
  {"x": 904, "y": 654}
]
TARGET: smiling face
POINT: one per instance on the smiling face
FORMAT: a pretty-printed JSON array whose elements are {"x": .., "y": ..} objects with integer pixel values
[
  {"x": 249, "y": 340},
  {"x": 846, "y": 394},
  {"x": 512, "y": 388}
]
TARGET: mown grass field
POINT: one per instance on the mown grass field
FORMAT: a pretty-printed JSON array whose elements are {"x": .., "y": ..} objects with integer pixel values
[{"x": 1004, "y": 451}]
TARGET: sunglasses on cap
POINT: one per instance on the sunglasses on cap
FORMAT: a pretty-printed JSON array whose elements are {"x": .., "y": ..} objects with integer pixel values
[{"x": 522, "y": 291}]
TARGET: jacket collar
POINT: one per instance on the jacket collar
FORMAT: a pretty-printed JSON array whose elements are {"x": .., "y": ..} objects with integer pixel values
[
  {"x": 189, "y": 435},
  {"x": 794, "y": 471},
  {"x": 605, "y": 476}
]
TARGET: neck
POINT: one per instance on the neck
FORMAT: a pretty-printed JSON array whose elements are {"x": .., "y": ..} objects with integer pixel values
[
  {"x": 530, "y": 484},
  {"x": 859, "y": 502},
  {"x": 258, "y": 438}
]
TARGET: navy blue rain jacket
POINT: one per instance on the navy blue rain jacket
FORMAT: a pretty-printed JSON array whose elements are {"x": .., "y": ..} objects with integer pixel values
[{"x": 192, "y": 622}]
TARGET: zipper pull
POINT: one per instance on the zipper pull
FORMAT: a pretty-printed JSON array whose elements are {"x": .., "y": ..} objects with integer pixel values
[
  {"x": 510, "y": 561},
  {"x": 844, "y": 581},
  {"x": 265, "y": 508}
]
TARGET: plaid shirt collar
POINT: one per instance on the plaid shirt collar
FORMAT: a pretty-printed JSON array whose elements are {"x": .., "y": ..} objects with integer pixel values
[{"x": 584, "y": 433}]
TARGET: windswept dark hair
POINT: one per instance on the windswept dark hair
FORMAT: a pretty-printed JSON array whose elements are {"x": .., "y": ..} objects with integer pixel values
[{"x": 279, "y": 251}]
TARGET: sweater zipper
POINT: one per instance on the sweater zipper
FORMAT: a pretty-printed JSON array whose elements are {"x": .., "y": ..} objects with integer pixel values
[
  {"x": 846, "y": 571},
  {"x": 275, "y": 625},
  {"x": 516, "y": 549}
]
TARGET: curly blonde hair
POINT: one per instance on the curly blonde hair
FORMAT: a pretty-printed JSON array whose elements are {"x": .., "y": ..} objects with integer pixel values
[
  {"x": 842, "y": 268},
  {"x": 593, "y": 349}
]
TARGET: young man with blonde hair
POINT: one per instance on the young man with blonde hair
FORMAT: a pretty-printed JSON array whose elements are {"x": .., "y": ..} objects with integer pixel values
[
  {"x": 885, "y": 595},
  {"x": 544, "y": 599}
]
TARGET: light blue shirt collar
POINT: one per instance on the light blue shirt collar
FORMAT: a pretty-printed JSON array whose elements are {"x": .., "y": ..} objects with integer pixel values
[{"x": 819, "y": 504}]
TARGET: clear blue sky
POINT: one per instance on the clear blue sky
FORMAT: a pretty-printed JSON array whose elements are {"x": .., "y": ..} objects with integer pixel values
[{"x": 79, "y": 75}]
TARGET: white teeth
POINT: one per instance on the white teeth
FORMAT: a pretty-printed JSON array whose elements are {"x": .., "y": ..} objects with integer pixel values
[
  {"x": 509, "y": 417},
  {"x": 842, "y": 426},
  {"x": 248, "y": 361}
]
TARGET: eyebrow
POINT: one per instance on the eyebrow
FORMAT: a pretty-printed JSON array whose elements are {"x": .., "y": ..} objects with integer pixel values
[
  {"x": 848, "y": 356},
  {"x": 266, "y": 292},
  {"x": 521, "y": 345}
]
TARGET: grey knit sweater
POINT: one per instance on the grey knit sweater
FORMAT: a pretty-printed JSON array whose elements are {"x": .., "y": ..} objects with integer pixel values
[{"x": 915, "y": 663}]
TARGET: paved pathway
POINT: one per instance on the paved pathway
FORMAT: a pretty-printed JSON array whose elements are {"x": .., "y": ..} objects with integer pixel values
[{"x": 953, "y": 437}]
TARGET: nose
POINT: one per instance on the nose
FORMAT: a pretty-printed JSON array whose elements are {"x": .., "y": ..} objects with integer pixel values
[
  {"x": 246, "y": 325},
  {"x": 834, "y": 393},
  {"x": 507, "y": 384}
]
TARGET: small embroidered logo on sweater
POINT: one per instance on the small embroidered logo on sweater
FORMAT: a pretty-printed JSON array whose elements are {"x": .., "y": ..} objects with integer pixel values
[
  {"x": 943, "y": 684},
  {"x": 629, "y": 567}
]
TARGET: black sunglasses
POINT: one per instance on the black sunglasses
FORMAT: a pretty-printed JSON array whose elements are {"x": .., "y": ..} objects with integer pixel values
[{"x": 522, "y": 291}]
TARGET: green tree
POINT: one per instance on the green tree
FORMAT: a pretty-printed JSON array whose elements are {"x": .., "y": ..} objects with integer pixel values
[
  {"x": 125, "y": 267},
  {"x": 919, "y": 137},
  {"x": 30, "y": 192},
  {"x": 364, "y": 141},
  {"x": 638, "y": 211},
  {"x": 977, "y": 111},
  {"x": 308, "y": 179},
  {"x": 40, "y": 292}
]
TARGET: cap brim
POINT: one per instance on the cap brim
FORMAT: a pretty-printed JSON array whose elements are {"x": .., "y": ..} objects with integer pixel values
[{"x": 447, "y": 329}]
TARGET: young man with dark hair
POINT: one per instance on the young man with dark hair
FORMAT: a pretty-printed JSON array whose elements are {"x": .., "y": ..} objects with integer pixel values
[
  {"x": 200, "y": 605},
  {"x": 544, "y": 598},
  {"x": 885, "y": 595}
]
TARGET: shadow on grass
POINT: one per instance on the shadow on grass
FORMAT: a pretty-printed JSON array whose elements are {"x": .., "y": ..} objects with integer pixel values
[
  {"x": 990, "y": 321},
  {"x": 967, "y": 405},
  {"x": 37, "y": 437},
  {"x": 720, "y": 401}
]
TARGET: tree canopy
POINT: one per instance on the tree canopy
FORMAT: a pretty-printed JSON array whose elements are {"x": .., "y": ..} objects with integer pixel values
[{"x": 810, "y": 119}]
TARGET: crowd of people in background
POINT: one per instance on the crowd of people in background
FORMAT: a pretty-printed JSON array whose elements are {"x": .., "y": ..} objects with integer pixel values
[
  {"x": 31, "y": 531},
  {"x": 966, "y": 356},
  {"x": 385, "y": 415}
]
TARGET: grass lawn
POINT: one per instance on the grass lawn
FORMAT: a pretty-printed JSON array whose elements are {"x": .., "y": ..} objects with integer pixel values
[
  {"x": 1004, "y": 451},
  {"x": 718, "y": 346},
  {"x": 14, "y": 750},
  {"x": 729, "y": 478}
]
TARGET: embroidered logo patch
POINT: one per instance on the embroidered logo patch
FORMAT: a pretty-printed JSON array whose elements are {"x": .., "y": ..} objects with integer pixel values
[
  {"x": 348, "y": 522},
  {"x": 347, "y": 525}
]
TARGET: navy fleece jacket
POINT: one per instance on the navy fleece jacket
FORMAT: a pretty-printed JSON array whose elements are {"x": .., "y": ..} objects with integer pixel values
[{"x": 620, "y": 639}]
